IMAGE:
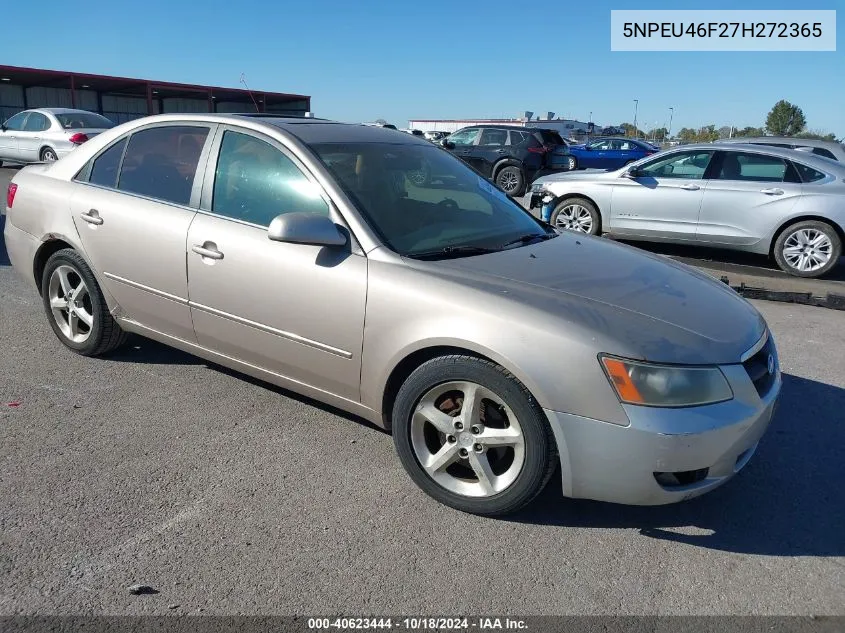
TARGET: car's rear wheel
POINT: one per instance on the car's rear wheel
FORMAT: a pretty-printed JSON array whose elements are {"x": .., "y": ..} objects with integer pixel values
[
  {"x": 576, "y": 214},
  {"x": 48, "y": 155},
  {"x": 472, "y": 436},
  {"x": 510, "y": 180},
  {"x": 75, "y": 306},
  {"x": 808, "y": 249},
  {"x": 571, "y": 163}
]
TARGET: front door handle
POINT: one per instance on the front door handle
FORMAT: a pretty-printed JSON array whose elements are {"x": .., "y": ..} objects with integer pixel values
[
  {"x": 207, "y": 249},
  {"x": 92, "y": 217},
  {"x": 37, "y": 138},
  {"x": 772, "y": 192},
  {"x": 690, "y": 187},
  {"x": 500, "y": 151}
]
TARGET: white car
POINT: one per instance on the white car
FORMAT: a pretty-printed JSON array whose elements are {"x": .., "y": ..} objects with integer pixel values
[{"x": 46, "y": 134}]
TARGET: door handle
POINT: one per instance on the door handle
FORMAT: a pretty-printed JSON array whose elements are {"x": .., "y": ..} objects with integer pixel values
[
  {"x": 690, "y": 187},
  {"x": 37, "y": 138},
  {"x": 772, "y": 192},
  {"x": 207, "y": 249},
  {"x": 92, "y": 217},
  {"x": 500, "y": 151}
]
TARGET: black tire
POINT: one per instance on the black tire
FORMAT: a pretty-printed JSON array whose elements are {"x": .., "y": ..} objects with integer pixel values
[
  {"x": 540, "y": 448},
  {"x": 808, "y": 225},
  {"x": 511, "y": 180},
  {"x": 48, "y": 155},
  {"x": 105, "y": 334},
  {"x": 572, "y": 163},
  {"x": 595, "y": 216}
]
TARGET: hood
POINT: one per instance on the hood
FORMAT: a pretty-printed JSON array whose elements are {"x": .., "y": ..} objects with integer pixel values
[
  {"x": 580, "y": 175},
  {"x": 638, "y": 304}
]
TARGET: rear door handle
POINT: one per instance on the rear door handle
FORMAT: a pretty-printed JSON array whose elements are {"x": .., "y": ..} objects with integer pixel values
[
  {"x": 207, "y": 249},
  {"x": 92, "y": 217},
  {"x": 500, "y": 151},
  {"x": 772, "y": 192},
  {"x": 690, "y": 187}
]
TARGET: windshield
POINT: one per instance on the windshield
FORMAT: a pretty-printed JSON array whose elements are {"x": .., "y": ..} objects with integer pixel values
[
  {"x": 420, "y": 199},
  {"x": 83, "y": 120}
]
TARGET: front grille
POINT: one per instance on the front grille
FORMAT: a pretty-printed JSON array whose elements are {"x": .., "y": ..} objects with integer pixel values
[{"x": 758, "y": 368}]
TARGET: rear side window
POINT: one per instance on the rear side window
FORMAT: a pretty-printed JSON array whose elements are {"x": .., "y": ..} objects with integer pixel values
[
  {"x": 104, "y": 169},
  {"x": 517, "y": 138},
  {"x": 821, "y": 151},
  {"x": 254, "y": 182},
  {"x": 808, "y": 174},
  {"x": 493, "y": 137},
  {"x": 36, "y": 122},
  {"x": 753, "y": 167},
  {"x": 161, "y": 162}
]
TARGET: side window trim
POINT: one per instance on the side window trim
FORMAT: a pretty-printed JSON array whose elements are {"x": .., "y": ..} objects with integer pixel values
[
  {"x": 84, "y": 174},
  {"x": 207, "y": 188}
]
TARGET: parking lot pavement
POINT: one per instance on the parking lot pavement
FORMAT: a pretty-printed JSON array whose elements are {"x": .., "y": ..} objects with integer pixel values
[{"x": 230, "y": 496}]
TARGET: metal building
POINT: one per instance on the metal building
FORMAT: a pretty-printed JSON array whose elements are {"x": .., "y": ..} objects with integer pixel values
[{"x": 122, "y": 99}]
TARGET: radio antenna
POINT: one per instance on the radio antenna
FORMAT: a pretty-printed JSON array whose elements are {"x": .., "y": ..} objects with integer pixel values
[{"x": 243, "y": 81}]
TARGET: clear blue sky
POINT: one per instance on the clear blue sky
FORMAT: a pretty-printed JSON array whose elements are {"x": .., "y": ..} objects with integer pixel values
[{"x": 434, "y": 58}]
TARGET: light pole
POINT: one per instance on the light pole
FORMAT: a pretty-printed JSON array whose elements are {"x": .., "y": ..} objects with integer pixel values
[
  {"x": 669, "y": 131},
  {"x": 636, "y": 105}
]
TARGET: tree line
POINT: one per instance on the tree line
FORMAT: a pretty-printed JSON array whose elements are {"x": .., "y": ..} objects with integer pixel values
[{"x": 784, "y": 119}]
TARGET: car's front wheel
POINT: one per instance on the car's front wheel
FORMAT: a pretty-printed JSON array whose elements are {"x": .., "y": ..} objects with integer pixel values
[
  {"x": 510, "y": 180},
  {"x": 576, "y": 214},
  {"x": 808, "y": 249},
  {"x": 472, "y": 436},
  {"x": 75, "y": 306}
]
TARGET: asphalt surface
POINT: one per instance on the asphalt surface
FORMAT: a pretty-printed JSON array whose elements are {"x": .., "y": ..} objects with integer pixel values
[{"x": 229, "y": 496}]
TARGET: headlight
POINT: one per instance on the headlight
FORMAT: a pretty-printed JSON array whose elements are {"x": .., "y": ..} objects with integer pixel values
[
  {"x": 537, "y": 187},
  {"x": 666, "y": 385}
]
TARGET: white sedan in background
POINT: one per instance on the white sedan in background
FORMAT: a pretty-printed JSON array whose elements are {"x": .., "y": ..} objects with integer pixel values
[
  {"x": 46, "y": 134},
  {"x": 783, "y": 203}
]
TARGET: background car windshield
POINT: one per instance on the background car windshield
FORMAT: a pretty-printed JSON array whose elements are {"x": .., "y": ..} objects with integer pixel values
[
  {"x": 420, "y": 199},
  {"x": 83, "y": 120}
]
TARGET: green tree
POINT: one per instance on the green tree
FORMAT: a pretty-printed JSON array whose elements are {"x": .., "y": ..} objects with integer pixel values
[
  {"x": 750, "y": 131},
  {"x": 630, "y": 130},
  {"x": 707, "y": 134},
  {"x": 657, "y": 133},
  {"x": 817, "y": 135},
  {"x": 687, "y": 135},
  {"x": 785, "y": 119}
]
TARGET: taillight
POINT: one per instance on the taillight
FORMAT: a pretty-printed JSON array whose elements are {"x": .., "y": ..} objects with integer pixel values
[
  {"x": 10, "y": 194},
  {"x": 538, "y": 150},
  {"x": 79, "y": 138}
]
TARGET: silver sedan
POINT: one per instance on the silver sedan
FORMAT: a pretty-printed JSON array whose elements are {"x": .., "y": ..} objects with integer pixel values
[
  {"x": 783, "y": 203},
  {"x": 47, "y": 134},
  {"x": 497, "y": 350}
]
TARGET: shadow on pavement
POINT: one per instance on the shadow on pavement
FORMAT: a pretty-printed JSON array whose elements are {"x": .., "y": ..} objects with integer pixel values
[{"x": 789, "y": 500}]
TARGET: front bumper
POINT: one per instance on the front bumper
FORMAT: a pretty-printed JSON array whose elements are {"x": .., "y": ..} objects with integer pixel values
[{"x": 614, "y": 463}]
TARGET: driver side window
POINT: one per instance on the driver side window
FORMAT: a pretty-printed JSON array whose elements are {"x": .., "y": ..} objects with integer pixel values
[
  {"x": 15, "y": 124},
  {"x": 254, "y": 182},
  {"x": 465, "y": 137},
  {"x": 690, "y": 165}
]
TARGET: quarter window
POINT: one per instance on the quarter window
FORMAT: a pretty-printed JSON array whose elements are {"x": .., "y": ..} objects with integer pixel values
[
  {"x": 161, "y": 162},
  {"x": 493, "y": 137},
  {"x": 689, "y": 165},
  {"x": 753, "y": 167},
  {"x": 254, "y": 182},
  {"x": 517, "y": 138},
  {"x": 105, "y": 167},
  {"x": 808, "y": 174}
]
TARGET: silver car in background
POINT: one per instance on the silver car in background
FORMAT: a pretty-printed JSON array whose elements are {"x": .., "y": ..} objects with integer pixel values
[
  {"x": 497, "y": 350},
  {"x": 827, "y": 149},
  {"x": 783, "y": 203},
  {"x": 47, "y": 134}
]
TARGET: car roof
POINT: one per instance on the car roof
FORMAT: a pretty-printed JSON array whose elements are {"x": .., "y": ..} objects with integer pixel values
[
  {"x": 806, "y": 158},
  {"x": 792, "y": 140},
  {"x": 63, "y": 111}
]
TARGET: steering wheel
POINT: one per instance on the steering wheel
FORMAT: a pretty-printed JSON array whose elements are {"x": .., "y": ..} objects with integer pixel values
[{"x": 448, "y": 203}]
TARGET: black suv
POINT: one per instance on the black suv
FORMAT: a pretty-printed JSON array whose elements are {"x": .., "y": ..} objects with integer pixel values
[{"x": 511, "y": 156}]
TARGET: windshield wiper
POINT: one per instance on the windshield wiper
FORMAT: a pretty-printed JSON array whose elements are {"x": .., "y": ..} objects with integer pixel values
[
  {"x": 452, "y": 251},
  {"x": 528, "y": 237}
]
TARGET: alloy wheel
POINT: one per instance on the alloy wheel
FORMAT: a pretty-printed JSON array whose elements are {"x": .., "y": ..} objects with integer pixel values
[
  {"x": 467, "y": 439},
  {"x": 50, "y": 156},
  {"x": 70, "y": 303},
  {"x": 508, "y": 181},
  {"x": 807, "y": 250},
  {"x": 574, "y": 217}
]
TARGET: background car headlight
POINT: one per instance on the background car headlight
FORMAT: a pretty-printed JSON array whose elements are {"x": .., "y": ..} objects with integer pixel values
[
  {"x": 666, "y": 385},
  {"x": 537, "y": 187}
]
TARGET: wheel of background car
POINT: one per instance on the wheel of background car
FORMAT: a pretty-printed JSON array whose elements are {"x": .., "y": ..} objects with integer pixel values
[
  {"x": 627, "y": 162},
  {"x": 420, "y": 177},
  {"x": 808, "y": 249},
  {"x": 576, "y": 214},
  {"x": 75, "y": 306},
  {"x": 571, "y": 163},
  {"x": 472, "y": 436},
  {"x": 510, "y": 180},
  {"x": 48, "y": 155}
]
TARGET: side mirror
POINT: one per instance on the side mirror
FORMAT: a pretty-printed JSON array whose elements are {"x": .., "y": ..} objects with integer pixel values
[
  {"x": 633, "y": 174},
  {"x": 305, "y": 228},
  {"x": 445, "y": 143},
  {"x": 3, "y": 127}
]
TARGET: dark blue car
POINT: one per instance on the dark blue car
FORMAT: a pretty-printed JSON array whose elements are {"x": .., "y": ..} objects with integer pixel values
[{"x": 608, "y": 153}]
